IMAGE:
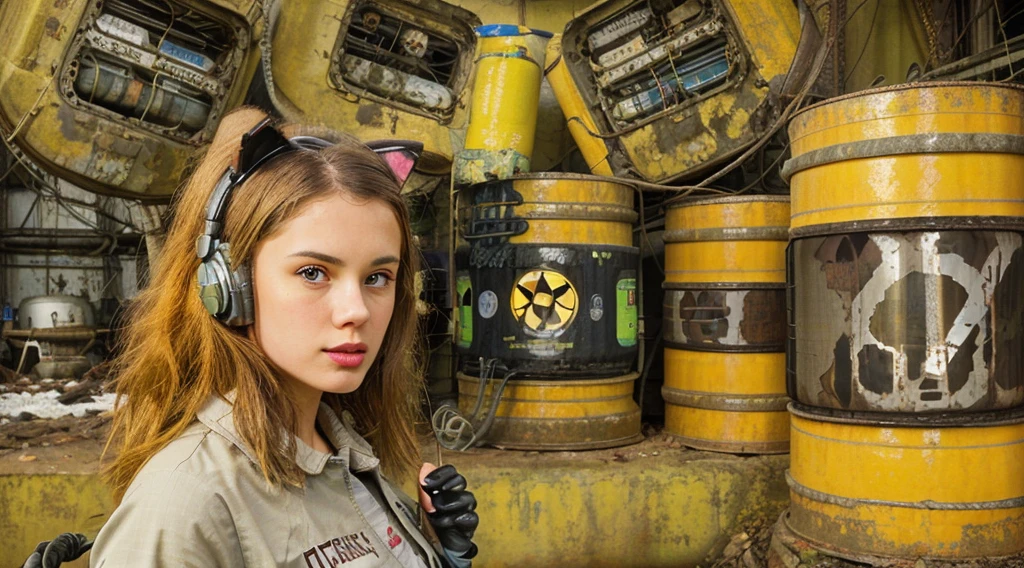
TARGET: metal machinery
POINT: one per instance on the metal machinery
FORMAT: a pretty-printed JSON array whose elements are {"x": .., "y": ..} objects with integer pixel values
[
  {"x": 114, "y": 96},
  {"x": 664, "y": 89},
  {"x": 62, "y": 328},
  {"x": 388, "y": 69}
]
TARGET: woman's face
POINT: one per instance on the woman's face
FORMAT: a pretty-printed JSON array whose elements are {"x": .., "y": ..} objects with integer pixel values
[{"x": 324, "y": 285}]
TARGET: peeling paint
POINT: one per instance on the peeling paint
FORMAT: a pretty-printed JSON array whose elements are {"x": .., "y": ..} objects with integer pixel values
[{"x": 912, "y": 316}]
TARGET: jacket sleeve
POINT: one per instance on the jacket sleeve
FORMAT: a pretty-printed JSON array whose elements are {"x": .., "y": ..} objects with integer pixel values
[{"x": 168, "y": 518}]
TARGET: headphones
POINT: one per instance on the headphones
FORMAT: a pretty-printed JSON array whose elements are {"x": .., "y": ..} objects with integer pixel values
[{"x": 227, "y": 293}]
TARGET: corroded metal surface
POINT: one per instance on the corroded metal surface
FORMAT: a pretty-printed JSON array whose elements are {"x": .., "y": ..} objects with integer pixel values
[
  {"x": 787, "y": 550},
  {"x": 850, "y": 495},
  {"x": 115, "y": 96},
  {"x": 558, "y": 415},
  {"x": 503, "y": 114},
  {"x": 908, "y": 322},
  {"x": 663, "y": 95},
  {"x": 726, "y": 402},
  {"x": 909, "y": 154},
  {"x": 380, "y": 70},
  {"x": 548, "y": 208},
  {"x": 724, "y": 323},
  {"x": 548, "y": 284},
  {"x": 725, "y": 320}
]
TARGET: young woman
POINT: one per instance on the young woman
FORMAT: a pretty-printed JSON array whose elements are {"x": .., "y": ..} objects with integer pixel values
[{"x": 266, "y": 377}]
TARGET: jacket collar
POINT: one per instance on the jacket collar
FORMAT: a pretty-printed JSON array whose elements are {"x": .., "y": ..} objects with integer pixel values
[{"x": 217, "y": 414}]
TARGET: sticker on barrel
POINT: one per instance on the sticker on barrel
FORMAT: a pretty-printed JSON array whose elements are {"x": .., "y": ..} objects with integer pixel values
[
  {"x": 544, "y": 302},
  {"x": 626, "y": 312}
]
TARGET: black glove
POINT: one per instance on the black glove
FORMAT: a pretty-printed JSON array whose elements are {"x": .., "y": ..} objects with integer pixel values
[
  {"x": 454, "y": 519},
  {"x": 51, "y": 553}
]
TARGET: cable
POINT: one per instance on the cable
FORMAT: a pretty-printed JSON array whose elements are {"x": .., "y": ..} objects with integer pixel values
[
  {"x": 457, "y": 432},
  {"x": 867, "y": 41}
]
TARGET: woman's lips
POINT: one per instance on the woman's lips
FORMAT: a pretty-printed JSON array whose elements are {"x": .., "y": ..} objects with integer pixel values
[{"x": 346, "y": 359}]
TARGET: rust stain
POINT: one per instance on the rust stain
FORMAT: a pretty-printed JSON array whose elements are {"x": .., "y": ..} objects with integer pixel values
[
  {"x": 764, "y": 317},
  {"x": 370, "y": 115},
  {"x": 53, "y": 28}
]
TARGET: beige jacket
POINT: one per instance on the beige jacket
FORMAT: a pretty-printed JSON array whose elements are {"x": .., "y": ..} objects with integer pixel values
[{"x": 202, "y": 501}]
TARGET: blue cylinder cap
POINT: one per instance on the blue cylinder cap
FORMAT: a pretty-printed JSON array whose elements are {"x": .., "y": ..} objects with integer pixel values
[{"x": 504, "y": 30}]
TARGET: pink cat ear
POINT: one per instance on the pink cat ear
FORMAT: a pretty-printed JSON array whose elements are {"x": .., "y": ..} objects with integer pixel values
[{"x": 400, "y": 155}]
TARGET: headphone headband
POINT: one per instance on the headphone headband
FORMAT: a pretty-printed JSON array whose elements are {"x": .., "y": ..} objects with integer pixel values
[{"x": 226, "y": 293}]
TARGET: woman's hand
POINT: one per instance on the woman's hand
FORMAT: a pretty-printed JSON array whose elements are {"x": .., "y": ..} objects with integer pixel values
[{"x": 450, "y": 508}]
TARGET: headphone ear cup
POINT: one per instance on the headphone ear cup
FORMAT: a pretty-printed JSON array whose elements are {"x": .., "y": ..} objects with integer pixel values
[{"x": 214, "y": 288}]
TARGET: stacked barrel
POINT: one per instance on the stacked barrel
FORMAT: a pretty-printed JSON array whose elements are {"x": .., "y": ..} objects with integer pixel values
[
  {"x": 547, "y": 288},
  {"x": 906, "y": 277},
  {"x": 724, "y": 323}
]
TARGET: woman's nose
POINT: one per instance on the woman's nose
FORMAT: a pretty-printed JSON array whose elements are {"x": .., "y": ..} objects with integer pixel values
[{"x": 348, "y": 305}]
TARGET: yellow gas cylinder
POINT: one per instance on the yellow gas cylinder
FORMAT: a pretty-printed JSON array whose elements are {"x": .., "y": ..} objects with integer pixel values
[
  {"x": 869, "y": 485},
  {"x": 907, "y": 256},
  {"x": 503, "y": 115},
  {"x": 725, "y": 324}
]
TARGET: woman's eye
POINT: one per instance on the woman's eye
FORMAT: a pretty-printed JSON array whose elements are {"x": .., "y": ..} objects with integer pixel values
[
  {"x": 311, "y": 273},
  {"x": 378, "y": 280}
]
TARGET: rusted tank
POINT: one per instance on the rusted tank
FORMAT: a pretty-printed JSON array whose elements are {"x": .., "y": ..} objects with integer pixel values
[
  {"x": 877, "y": 485},
  {"x": 663, "y": 90},
  {"x": 396, "y": 69},
  {"x": 907, "y": 259},
  {"x": 724, "y": 323},
  {"x": 115, "y": 96}
]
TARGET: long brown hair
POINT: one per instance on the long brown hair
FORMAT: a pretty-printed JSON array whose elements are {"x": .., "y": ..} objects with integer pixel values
[{"x": 175, "y": 355}]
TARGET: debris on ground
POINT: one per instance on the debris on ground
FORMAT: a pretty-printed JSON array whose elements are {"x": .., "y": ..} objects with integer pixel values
[{"x": 37, "y": 413}]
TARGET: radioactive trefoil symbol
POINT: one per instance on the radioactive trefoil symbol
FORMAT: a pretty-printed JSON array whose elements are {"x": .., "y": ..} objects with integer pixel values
[{"x": 544, "y": 301}]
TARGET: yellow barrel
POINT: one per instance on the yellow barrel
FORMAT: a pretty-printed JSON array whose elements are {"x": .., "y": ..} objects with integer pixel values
[
  {"x": 556, "y": 415},
  {"x": 912, "y": 152},
  {"x": 503, "y": 114},
  {"x": 891, "y": 486},
  {"x": 724, "y": 319},
  {"x": 739, "y": 239},
  {"x": 907, "y": 254}
]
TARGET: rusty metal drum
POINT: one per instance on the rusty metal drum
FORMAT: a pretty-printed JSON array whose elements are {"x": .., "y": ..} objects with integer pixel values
[
  {"x": 557, "y": 414},
  {"x": 907, "y": 260},
  {"x": 547, "y": 289},
  {"x": 724, "y": 323},
  {"x": 548, "y": 284},
  {"x": 866, "y": 485}
]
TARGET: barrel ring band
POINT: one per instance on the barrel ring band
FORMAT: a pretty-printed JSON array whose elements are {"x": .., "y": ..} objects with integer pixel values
[
  {"x": 778, "y": 233},
  {"x": 672, "y": 342},
  {"x": 725, "y": 402},
  {"x": 709, "y": 286},
  {"x": 945, "y": 142},
  {"x": 907, "y": 224},
  {"x": 577, "y": 212},
  {"x": 953, "y": 419},
  {"x": 853, "y": 503}
]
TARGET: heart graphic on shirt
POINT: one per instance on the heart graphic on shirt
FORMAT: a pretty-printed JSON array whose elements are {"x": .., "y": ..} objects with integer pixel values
[{"x": 393, "y": 539}]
